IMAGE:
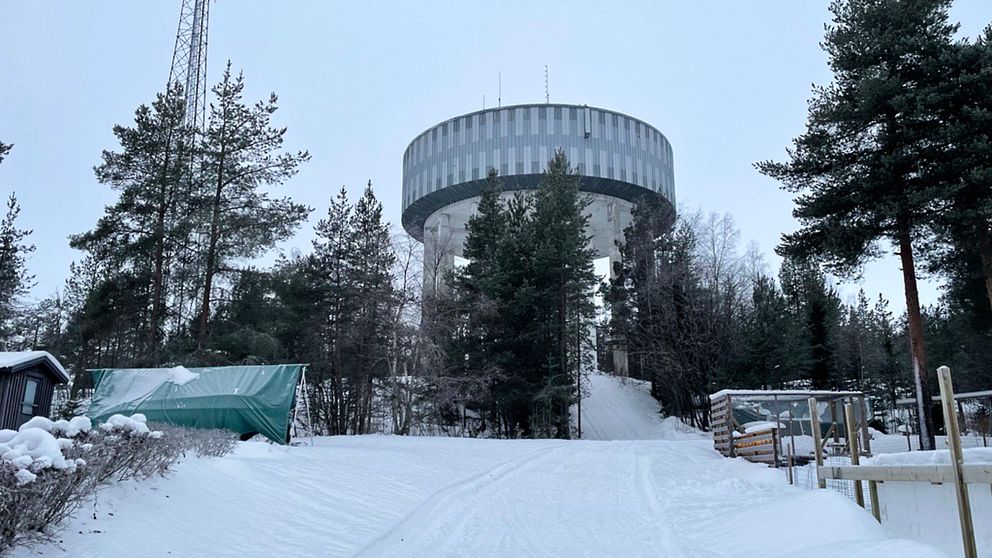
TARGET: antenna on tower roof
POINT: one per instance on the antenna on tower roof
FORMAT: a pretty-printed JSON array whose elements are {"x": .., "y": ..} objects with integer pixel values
[
  {"x": 547, "y": 88},
  {"x": 499, "y": 99}
]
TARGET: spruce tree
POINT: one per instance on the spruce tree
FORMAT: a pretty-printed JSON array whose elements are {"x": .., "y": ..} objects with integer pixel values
[
  {"x": 374, "y": 297},
  {"x": 817, "y": 308},
  {"x": 862, "y": 172},
  {"x": 241, "y": 160},
  {"x": 332, "y": 272},
  {"x": 773, "y": 349},
  {"x": 565, "y": 280}
]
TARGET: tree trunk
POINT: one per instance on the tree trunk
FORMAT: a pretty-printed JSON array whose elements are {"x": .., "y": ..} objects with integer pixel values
[
  {"x": 985, "y": 251},
  {"x": 211, "y": 265},
  {"x": 924, "y": 416},
  {"x": 158, "y": 276}
]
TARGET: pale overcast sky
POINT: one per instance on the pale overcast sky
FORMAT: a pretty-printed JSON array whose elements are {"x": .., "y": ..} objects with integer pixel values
[{"x": 726, "y": 81}]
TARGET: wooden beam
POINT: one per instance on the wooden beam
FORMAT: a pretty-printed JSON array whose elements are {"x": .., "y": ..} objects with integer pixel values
[
  {"x": 852, "y": 444},
  {"x": 957, "y": 461},
  {"x": 935, "y": 474},
  {"x": 814, "y": 419}
]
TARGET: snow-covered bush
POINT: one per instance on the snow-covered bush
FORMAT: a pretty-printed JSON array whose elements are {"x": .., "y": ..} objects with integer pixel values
[
  {"x": 201, "y": 442},
  {"x": 49, "y": 468}
]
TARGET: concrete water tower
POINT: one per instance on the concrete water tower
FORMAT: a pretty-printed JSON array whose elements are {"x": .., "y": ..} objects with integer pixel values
[{"x": 621, "y": 160}]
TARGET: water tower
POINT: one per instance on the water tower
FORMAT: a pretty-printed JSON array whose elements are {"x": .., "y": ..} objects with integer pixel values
[{"x": 621, "y": 160}]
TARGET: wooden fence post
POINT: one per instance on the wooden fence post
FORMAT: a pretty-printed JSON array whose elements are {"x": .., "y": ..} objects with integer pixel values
[
  {"x": 814, "y": 419},
  {"x": 876, "y": 509},
  {"x": 852, "y": 443},
  {"x": 957, "y": 461}
]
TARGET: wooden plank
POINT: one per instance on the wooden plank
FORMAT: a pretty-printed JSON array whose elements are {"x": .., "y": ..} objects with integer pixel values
[
  {"x": 978, "y": 473},
  {"x": 852, "y": 440},
  {"x": 957, "y": 461},
  {"x": 814, "y": 418}
]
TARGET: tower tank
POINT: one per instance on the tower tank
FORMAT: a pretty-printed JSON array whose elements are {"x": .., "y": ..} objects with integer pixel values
[{"x": 620, "y": 159}]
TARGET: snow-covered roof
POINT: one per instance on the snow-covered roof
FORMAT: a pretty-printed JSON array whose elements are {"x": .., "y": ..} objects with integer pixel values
[
  {"x": 785, "y": 394},
  {"x": 14, "y": 361}
]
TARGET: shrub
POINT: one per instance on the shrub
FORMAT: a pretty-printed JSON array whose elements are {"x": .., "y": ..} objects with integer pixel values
[{"x": 49, "y": 469}]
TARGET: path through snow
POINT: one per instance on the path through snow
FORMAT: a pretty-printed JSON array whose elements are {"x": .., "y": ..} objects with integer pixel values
[{"x": 623, "y": 409}]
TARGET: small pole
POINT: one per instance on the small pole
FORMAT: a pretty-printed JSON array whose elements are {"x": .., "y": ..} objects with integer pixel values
[
  {"x": 814, "y": 419},
  {"x": 792, "y": 479},
  {"x": 865, "y": 433},
  {"x": 852, "y": 443},
  {"x": 876, "y": 509},
  {"x": 957, "y": 461}
]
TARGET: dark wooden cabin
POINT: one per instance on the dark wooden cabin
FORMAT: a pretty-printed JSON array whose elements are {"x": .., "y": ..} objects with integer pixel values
[{"x": 27, "y": 382}]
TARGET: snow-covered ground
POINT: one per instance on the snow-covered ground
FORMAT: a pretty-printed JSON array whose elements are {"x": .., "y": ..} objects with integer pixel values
[
  {"x": 671, "y": 496},
  {"x": 623, "y": 409}
]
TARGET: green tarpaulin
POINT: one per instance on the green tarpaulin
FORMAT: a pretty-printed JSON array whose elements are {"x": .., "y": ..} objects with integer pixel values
[{"x": 243, "y": 399}]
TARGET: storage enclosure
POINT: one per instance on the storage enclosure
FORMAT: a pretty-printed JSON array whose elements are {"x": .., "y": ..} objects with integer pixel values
[
  {"x": 247, "y": 400},
  {"x": 766, "y": 425},
  {"x": 27, "y": 381}
]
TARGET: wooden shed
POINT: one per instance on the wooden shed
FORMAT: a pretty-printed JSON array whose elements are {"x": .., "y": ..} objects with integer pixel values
[
  {"x": 764, "y": 425},
  {"x": 27, "y": 382}
]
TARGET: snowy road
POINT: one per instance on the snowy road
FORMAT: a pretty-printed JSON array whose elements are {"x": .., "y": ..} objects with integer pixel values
[{"x": 410, "y": 497}]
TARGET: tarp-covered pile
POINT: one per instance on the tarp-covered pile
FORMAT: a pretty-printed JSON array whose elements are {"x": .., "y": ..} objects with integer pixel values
[{"x": 243, "y": 399}]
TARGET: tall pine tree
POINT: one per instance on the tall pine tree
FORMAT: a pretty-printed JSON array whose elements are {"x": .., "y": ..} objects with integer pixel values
[
  {"x": 863, "y": 171},
  {"x": 140, "y": 233},
  {"x": 241, "y": 160}
]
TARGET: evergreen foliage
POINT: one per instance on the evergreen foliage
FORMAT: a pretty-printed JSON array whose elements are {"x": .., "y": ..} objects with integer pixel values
[
  {"x": 865, "y": 168},
  {"x": 523, "y": 302},
  {"x": 240, "y": 159},
  {"x": 15, "y": 280}
]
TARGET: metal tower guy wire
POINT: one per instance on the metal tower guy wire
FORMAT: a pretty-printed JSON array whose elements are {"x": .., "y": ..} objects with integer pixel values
[{"x": 189, "y": 60}]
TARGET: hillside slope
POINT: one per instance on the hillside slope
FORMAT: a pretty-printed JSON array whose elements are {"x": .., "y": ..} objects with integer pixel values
[{"x": 623, "y": 409}]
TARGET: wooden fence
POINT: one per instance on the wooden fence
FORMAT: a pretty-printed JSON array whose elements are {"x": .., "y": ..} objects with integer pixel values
[{"x": 956, "y": 472}]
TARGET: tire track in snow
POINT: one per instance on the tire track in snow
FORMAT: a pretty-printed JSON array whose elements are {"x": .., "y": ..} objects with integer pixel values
[{"x": 421, "y": 519}]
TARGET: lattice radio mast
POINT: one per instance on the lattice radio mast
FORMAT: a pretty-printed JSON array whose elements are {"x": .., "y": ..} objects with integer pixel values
[{"x": 189, "y": 60}]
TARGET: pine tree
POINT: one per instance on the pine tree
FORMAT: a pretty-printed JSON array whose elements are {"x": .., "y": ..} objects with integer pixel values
[
  {"x": 863, "y": 169},
  {"x": 964, "y": 228},
  {"x": 140, "y": 233},
  {"x": 241, "y": 159},
  {"x": 15, "y": 280}
]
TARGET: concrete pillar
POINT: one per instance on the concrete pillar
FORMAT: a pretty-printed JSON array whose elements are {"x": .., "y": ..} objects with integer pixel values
[
  {"x": 439, "y": 256},
  {"x": 615, "y": 236}
]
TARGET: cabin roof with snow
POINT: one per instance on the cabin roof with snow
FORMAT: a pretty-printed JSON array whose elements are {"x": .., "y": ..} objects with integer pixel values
[{"x": 21, "y": 360}]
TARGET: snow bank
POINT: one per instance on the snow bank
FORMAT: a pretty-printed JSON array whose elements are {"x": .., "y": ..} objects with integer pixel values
[{"x": 928, "y": 512}]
